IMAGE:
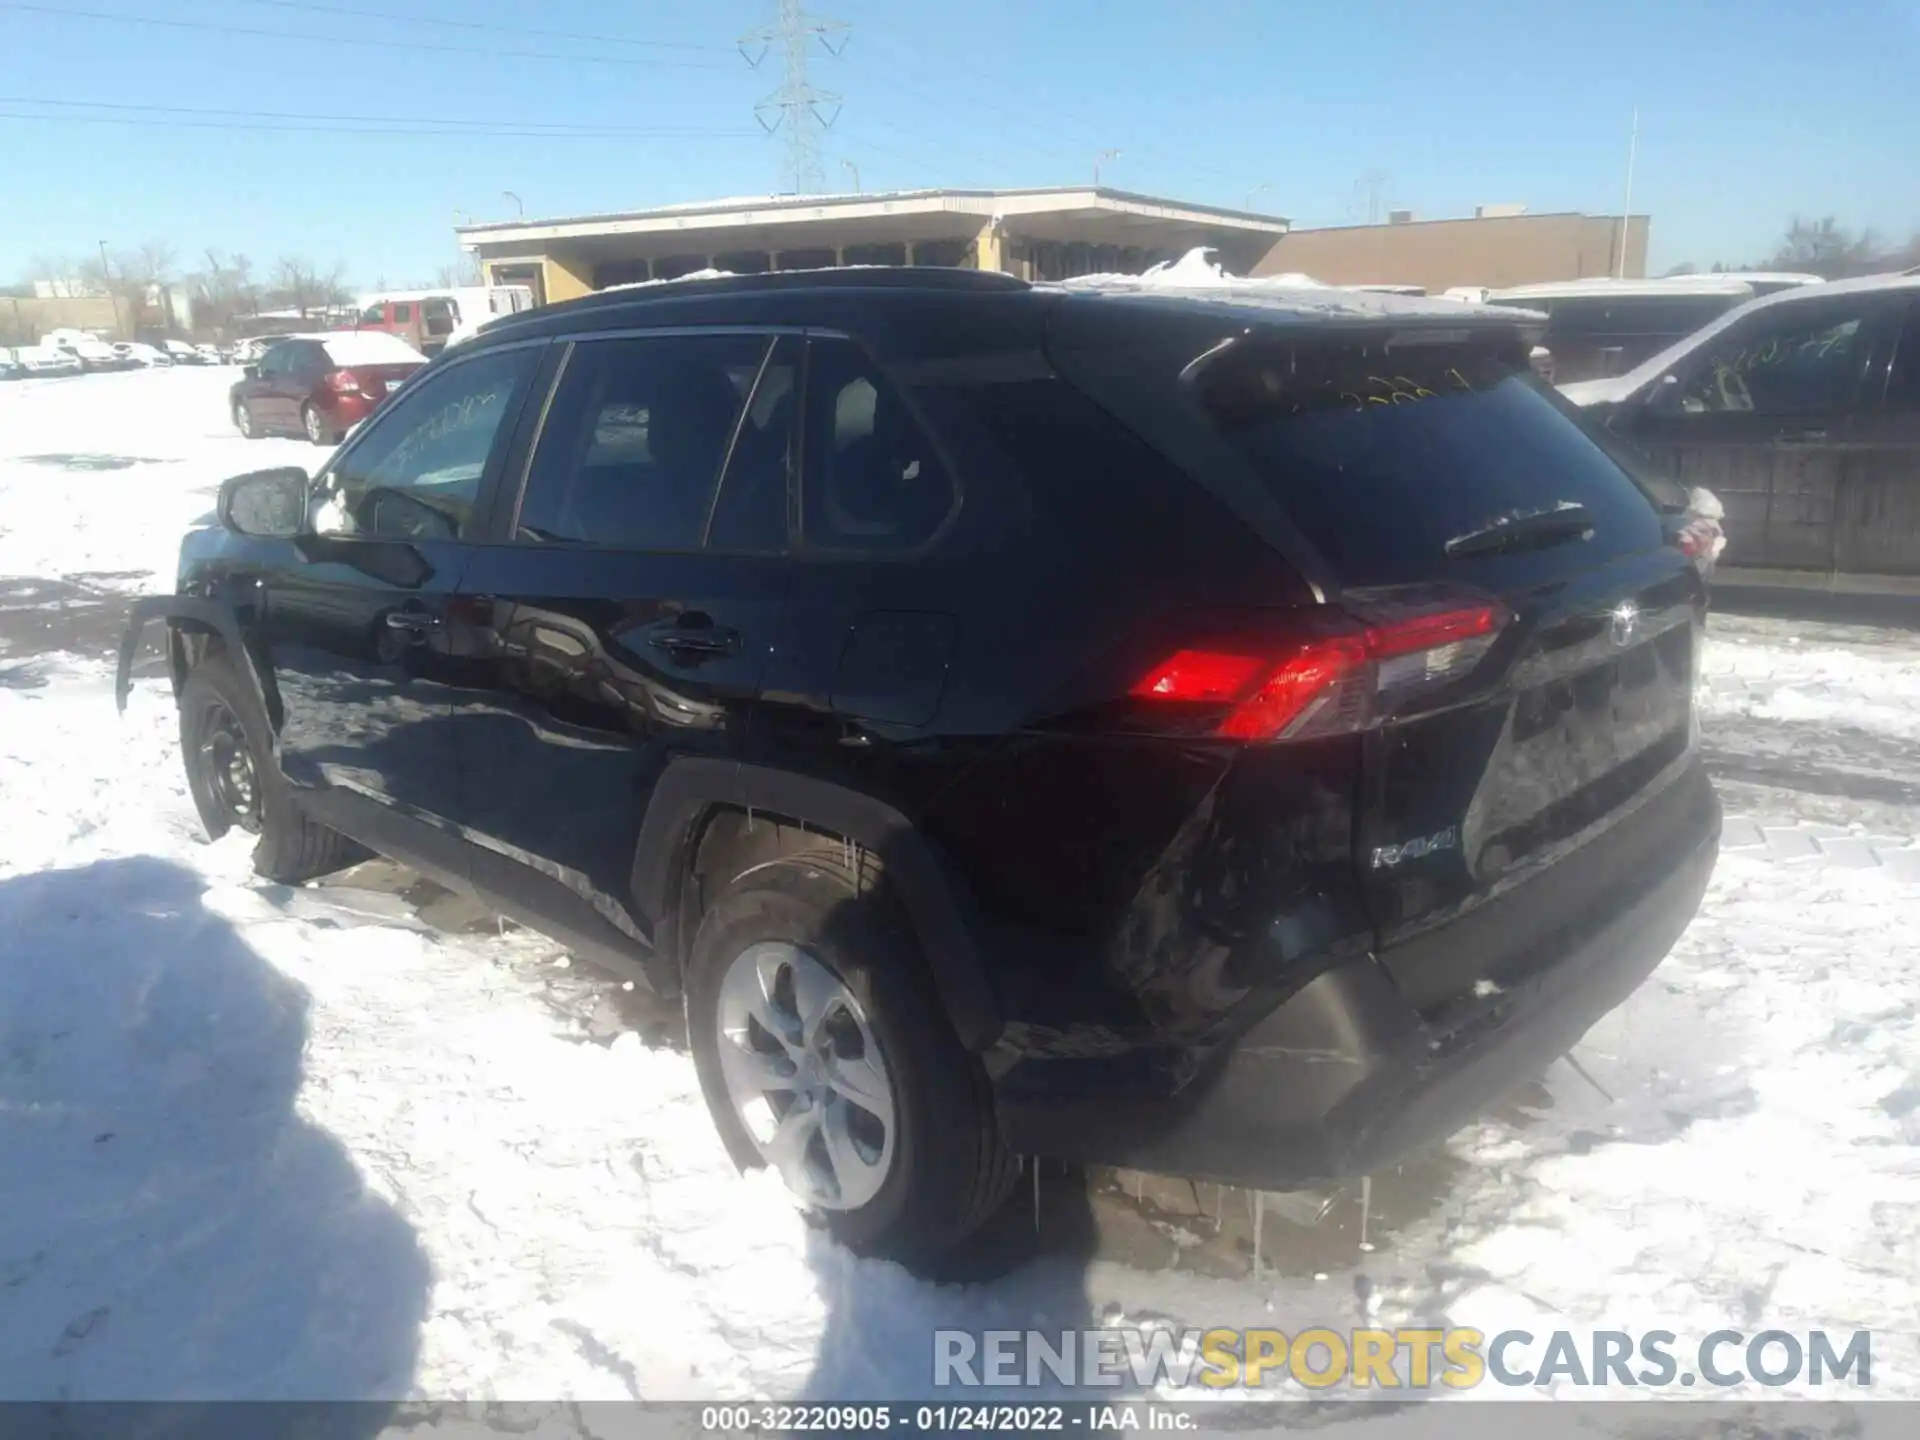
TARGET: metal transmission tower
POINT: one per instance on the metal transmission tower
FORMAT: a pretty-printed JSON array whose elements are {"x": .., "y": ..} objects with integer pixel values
[{"x": 798, "y": 105}]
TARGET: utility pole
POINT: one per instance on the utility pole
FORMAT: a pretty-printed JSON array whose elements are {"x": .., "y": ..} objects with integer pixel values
[
  {"x": 1626, "y": 210},
  {"x": 853, "y": 170},
  {"x": 800, "y": 106},
  {"x": 520, "y": 211},
  {"x": 1104, "y": 155},
  {"x": 1374, "y": 182},
  {"x": 106, "y": 283}
]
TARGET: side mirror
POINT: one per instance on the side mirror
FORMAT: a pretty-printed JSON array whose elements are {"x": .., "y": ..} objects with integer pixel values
[
  {"x": 265, "y": 504},
  {"x": 252, "y": 372}
]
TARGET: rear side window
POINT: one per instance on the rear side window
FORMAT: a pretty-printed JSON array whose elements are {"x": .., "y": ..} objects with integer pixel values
[
  {"x": 872, "y": 482},
  {"x": 402, "y": 314},
  {"x": 631, "y": 452},
  {"x": 1381, "y": 456}
]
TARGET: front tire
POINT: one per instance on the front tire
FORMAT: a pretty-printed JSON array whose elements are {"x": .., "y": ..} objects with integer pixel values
[
  {"x": 243, "y": 421},
  {"x": 236, "y": 782},
  {"x": 822, "y": 1050}
]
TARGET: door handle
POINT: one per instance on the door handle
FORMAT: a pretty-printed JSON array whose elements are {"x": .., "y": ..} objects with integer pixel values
[
  {"x": 1801, "y": 437},
  {"x": 697, "y": 642},
  {"x": 413, "y": 622}
]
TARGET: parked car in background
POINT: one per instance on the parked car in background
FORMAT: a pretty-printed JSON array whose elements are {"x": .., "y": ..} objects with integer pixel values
[
  {"x": 320, "y": 386},
  {"x": 45, "y": 361},
  {"x": 182, "y": 353},
  {"x": 213, "y": 354},
  {"x": 1800, "y": 411},
  {"x": 91, "y": 353},
  {"x": 1597, "y": 328},
  {"x": 427, "y": 319},
  {"x": 139, "y": 354},
  {"x": 1468, "y": 294},
  {"x": 1009, "y": 720},
  {"x": 248, "y": 352},
  {"x": 10, "y": 367}
]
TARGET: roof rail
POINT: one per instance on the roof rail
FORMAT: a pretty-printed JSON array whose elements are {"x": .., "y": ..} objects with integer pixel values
[{"x": 844, "y": 277}]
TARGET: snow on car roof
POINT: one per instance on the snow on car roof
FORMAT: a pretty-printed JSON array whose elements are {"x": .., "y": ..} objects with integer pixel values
[
  {"x": 1195, "y": 276},
  {"x": 1600, "y": 285},
  {"x": 368, "y": 347}
]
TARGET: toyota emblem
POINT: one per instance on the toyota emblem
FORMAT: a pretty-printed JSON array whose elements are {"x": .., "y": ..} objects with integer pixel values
[{"x": 1626, "y": 620}]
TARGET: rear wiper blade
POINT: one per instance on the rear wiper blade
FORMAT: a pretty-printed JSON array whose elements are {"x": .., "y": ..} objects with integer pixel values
[{"x": 1526, "y": 532}]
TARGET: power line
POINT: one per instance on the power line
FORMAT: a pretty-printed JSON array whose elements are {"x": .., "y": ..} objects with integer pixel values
[
  {"x": 357, "y": 42},
  {"x": 1095, "y": 133},
  {"x": 271, "y": 128},
  {"x": 483, "y": 25},
  {"x": 543, "y": 126},
  {"x": 798, "y": 105}
]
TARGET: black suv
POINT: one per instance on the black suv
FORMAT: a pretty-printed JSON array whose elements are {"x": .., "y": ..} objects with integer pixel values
[{"x": 1218, "y": 734}]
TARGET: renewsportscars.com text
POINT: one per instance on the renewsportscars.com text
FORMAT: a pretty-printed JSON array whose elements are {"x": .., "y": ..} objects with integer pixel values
[{"x": 1406, "y": 1358}]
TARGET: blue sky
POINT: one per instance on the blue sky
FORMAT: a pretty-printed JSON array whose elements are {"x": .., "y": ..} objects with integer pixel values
[{"x": 1749, "y": 113}]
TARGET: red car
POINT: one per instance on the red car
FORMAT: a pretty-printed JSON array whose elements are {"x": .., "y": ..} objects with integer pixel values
[{"x": 320, "y": 386}]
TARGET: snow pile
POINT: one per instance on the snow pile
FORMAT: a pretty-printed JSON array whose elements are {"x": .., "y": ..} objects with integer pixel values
[{"x": 1197, "y": 275}]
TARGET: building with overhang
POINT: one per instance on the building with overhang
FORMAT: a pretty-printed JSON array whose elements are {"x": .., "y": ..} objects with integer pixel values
[{"x": 1050, "y": 234}]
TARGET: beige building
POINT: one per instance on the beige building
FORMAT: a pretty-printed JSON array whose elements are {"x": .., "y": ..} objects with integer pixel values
[
  {"x": 1492, "y": 249},
  {"x": 1035, "y": 234}
]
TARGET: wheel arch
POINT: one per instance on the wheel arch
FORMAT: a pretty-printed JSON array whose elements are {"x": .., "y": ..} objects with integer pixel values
[
  {"x": 694, "y": 794},
  {"x": 197, "y": 626}
]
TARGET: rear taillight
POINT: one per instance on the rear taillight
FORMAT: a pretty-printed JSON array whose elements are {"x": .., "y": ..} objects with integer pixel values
[
  {"x": 343, "y": 382},
  {"x": 1331, "y": 683}
]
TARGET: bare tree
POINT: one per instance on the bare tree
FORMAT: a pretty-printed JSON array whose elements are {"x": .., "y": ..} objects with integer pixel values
[
  {"x": 223, "y": 289},
  {"x": 1826, "y": 248},
  {"x": 457, "y": 273},
  {"x": 300, "y": 284},
  {"x": 62, "y": 270}
]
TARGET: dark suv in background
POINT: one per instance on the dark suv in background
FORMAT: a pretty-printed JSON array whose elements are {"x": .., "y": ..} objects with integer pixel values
[{"x": 1228, "y": 734}]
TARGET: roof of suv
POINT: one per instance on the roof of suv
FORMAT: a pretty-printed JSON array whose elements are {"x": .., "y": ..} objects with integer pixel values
[{"x": 1285, "y": 301}]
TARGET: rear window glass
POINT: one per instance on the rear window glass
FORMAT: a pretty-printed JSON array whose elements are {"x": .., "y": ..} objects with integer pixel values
[{"x": 1381, "y": 457}]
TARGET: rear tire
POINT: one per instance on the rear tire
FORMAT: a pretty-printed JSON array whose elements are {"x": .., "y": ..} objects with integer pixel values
[
  {"x": 315, "y": 424},
  {"x": 946, "y": 1168},
  {"x": 243, "y": 421},
  {"x": 236, "y": 782}
]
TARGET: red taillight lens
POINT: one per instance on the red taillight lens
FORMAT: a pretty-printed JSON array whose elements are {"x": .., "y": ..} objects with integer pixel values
[
  {"x": 1200, "y": 675},
  {"x": 343, "y": 382},
  {"x": 1336, "y": 683}
]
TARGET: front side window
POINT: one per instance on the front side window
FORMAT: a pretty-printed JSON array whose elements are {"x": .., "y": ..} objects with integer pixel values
[
  {"x": 631, "y": 453},
  {"x": 274, "y": 361},
  {"x": 374, "y": 315},
  {"x": 416, "y": 473},
  {"x": 1792, "y": 360},
  {"x": 872, "y": 481}
]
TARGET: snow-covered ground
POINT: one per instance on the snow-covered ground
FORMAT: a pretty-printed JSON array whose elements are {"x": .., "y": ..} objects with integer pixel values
[{"x": 266, "y": 1143}]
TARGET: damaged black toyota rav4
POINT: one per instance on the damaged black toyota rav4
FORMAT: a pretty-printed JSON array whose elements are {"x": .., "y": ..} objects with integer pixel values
[{"x": 1234, "y": 734}]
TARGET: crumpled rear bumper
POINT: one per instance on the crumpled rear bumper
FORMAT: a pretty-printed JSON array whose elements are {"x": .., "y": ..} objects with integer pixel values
[{"x": 1346, "y": 1078}]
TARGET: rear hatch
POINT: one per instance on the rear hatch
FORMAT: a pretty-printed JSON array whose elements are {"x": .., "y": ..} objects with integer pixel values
[{"x": 1519, "y": 637}]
